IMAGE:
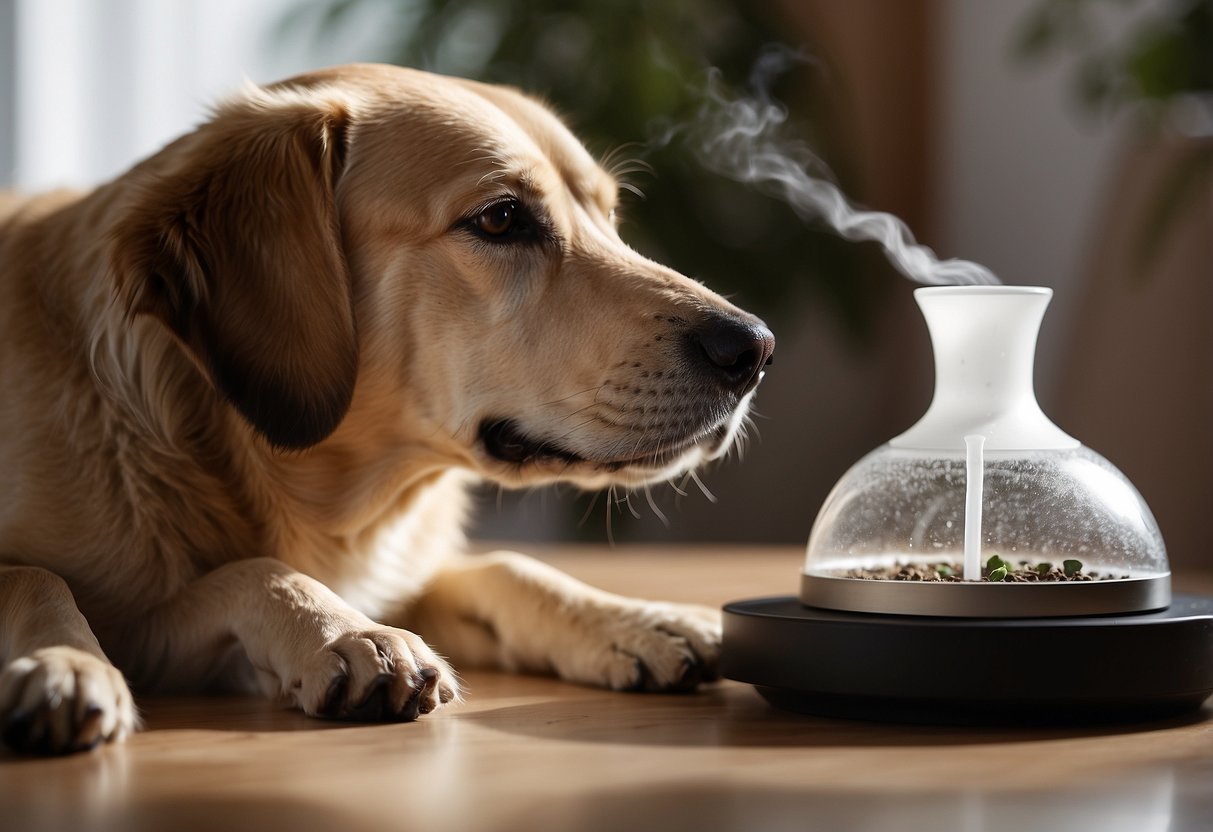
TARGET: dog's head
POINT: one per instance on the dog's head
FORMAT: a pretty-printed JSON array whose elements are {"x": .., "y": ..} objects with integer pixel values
[{"x": 377, "y": 254}]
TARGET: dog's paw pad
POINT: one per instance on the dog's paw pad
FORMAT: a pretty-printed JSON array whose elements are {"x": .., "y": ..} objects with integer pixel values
[{"x": 59, "y": 700}]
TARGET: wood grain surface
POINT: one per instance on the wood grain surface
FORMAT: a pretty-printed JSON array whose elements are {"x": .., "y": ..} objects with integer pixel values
[{"x": 537, "y": 754}]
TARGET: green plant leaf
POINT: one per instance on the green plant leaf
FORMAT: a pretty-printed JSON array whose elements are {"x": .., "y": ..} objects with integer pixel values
[{"x": 995, "y": 562}]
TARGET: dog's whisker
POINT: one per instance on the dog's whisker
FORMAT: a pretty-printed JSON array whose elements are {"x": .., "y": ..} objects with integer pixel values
[
  {"x": 628, "y": 169},
  {"x": 574, "y": 395},
  {"x": 611, "y": 156},
  {"x": 609, "y": 530},
  {"x": 744, "y": 436},
  {"x": 615, "y": 152},
  {"x": 625, "y": 183},
  {"x": 639, "y": 441},
  {"x": 569, "y": 432},
  {"x": 620, "y": 168},
  {"x": 490, "y": 178},
  {"x": 657, "y": 452},
  {"x": 590, "y": 509},
  {"x": 632, "y": 189},
  {"x": 578, "y": 411},
  {"x": 627, "y": 500},
  {"x": 677, "y": 488},
  {"x": 694, "y": 476},
  {"x": 614, "y": 157},
  {"x": 630, "y": 166},
  {"x": 488, "y": 157},
  {"x": 648, "y": 494}
]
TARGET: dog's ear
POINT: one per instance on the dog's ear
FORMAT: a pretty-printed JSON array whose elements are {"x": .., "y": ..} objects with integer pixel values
[{"x": 232, "y": 241}]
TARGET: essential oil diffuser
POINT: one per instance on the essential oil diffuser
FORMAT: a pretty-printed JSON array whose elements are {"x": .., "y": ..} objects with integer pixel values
[{"x": 983, "y": 566}]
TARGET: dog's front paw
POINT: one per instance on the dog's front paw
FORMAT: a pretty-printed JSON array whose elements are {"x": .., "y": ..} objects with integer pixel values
[
  {"x": 644, "y": 646},
  {"x": 59, "y": 699},
  {"x": 378, "y": 674}
]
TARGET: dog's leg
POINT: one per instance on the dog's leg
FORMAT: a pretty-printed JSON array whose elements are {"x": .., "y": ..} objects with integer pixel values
[
  {"x": 58, "y": 691},
  {"x": 307, "y": 645},
  {"x": 507, "y": 610}
]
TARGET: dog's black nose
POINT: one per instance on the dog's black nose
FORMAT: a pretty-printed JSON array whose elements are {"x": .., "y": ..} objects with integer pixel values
[{"x": 735, "y": 350}]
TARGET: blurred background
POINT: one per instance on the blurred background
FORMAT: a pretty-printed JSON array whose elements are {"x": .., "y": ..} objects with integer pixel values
[{"x": 1065, "y": 143}]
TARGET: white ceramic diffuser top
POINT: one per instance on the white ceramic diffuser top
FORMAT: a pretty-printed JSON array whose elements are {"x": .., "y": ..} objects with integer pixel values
[{"x": 984, "y": 339}]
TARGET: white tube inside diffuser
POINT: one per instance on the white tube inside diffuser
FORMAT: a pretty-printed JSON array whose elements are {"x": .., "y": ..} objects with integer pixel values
[{"x": 975, "y": 471}]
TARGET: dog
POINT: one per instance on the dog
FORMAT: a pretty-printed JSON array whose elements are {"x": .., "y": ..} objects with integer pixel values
[{"x": 247, "y": 383}]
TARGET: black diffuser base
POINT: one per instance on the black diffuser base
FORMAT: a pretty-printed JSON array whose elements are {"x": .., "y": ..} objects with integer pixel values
[{"x": 973, "y": 671}]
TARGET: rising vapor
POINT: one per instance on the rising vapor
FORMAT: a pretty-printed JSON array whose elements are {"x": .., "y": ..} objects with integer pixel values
[{"x": 743, "y": 139}]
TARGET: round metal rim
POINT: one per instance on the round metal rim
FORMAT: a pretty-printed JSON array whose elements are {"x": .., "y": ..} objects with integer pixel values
[
  {"x": 955, "y": 599},
  {"x": 984, "y": 289}
]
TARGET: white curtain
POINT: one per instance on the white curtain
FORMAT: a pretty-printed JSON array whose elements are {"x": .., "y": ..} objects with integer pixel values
[{"x": 95, "y": 85}]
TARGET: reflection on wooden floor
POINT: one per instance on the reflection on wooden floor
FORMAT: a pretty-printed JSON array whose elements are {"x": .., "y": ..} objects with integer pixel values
[{"x": 537, "y": 754}]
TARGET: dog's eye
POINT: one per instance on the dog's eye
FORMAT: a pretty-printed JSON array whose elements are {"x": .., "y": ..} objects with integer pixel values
[
  {"x": 499, "y": 219},
  {"x": 508, "y": 221}
]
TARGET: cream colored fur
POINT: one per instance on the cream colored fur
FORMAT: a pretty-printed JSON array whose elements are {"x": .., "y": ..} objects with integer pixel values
[{"x": 246, "y": 383}]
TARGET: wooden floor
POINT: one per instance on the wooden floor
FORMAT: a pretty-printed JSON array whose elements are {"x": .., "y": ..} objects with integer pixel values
[{"x": 536, "y": 754}]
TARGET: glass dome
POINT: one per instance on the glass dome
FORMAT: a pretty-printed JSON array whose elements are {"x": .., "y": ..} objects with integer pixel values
[{"x": 985, "y": 507}]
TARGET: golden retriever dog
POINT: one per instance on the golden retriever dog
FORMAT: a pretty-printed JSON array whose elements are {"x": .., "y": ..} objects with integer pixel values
[{"x": 246, "y": 384}]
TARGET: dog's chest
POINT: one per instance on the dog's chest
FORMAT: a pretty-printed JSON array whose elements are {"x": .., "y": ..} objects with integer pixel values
[{"x": 380, "y": 569}]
